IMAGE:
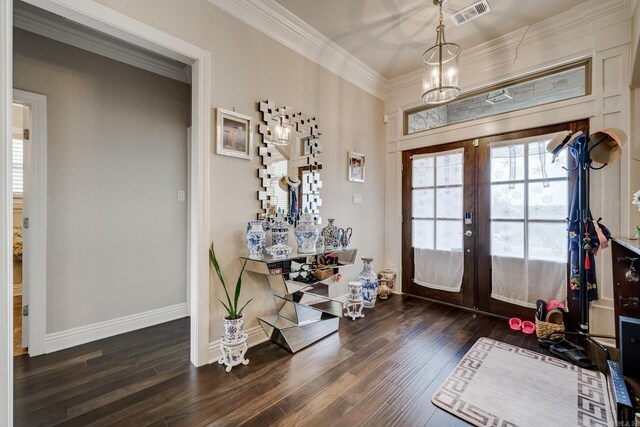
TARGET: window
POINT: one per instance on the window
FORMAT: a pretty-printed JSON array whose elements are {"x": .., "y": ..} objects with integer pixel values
[
  {"x": 562, "y": 83},
  {"x": 18, "y": 167},
  {"x": 280, "y": 197},
  {"x": 529, "y": 201},
  {"x": 437, "y": 201}
]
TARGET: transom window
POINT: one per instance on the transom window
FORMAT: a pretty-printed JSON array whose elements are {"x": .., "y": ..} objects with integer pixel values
[{"x": 569, "y": 81}]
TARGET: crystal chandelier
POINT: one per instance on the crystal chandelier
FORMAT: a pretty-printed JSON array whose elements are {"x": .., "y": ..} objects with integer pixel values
[{"x": 440, "y": 68}]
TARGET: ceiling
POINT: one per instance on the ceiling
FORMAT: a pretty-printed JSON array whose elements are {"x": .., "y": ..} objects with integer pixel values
[{"x": 391, "y": 35}]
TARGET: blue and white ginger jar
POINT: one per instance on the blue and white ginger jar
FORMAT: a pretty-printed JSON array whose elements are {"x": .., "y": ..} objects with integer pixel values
[
  {"x": 306, "y": 234},
  {"x": 280, "y": 233}
]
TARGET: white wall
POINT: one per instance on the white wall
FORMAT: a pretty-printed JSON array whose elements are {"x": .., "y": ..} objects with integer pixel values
[
  {"x": 248, "y": 67},
  {"x": 117, "y": 156},
  {"x": 600, "y": 30}
]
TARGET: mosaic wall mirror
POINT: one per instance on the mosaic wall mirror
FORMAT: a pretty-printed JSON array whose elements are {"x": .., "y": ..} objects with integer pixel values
[{"x": 297, "y": 162}]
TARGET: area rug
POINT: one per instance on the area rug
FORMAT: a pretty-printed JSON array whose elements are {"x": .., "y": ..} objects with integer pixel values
[{"x": 500, "y": 385}]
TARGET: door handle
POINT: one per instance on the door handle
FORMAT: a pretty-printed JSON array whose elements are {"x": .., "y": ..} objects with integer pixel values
[{"x": 468, "y": 233}]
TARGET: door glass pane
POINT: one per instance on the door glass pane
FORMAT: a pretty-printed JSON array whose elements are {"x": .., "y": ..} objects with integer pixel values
[
  {"x": 507, "y": 163},
  {"x": 423, "y": 234},
  {"x": 449, "y": 236},
  {"x": 423, "y": 203},
  {"x": 548, "y": 202},
  {"x": 507, "y": 239},
  {"x": 449, "y": 169},
  {"x": 507, "y": 201},
  {"x": 450, "y": 202},
  {"x": 423, "y": 172},
  {"x": 548, "y": 241},
  {"x": 540, "y": 166}
]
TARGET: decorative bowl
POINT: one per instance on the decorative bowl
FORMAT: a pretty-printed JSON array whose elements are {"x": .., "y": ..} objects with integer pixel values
[{"x": 279, "y": 251}]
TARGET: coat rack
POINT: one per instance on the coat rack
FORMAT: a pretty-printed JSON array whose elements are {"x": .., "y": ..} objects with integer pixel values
[{"x": 581, "y": 150}]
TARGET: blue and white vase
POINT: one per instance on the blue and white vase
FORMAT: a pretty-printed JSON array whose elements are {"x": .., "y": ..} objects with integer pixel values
[
  {"x": 256, "y": 238},
  {"x": 234, "y": 330},
  {"x": 280, "y": 233},
  {"x": 369, "y": 280},
  {"x": 306, "y": 234}
]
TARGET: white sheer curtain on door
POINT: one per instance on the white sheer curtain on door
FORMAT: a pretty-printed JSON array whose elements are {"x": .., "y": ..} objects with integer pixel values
[
  {"x": 437, "y": 210},
  {"x": 528, "y": 222}
]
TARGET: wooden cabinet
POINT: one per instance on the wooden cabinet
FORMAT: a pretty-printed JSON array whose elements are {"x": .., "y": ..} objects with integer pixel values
[{"x": 626, "y": 294}]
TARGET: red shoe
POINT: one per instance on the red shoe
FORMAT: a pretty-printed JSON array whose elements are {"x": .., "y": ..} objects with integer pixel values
[
  {"x": 528, "y": 327},
  {"x": 515, "y": 323}
]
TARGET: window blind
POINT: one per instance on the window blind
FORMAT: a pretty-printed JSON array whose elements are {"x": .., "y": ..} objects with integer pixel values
[{"x": 18, "y": 166}]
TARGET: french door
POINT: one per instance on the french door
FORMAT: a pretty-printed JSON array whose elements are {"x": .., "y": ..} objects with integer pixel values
[
  {"x": 438, "y": 247},
  {"x": 484, "y": 221}
]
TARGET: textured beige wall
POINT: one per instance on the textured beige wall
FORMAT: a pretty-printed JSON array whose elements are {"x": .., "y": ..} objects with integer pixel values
[
  {"x": 117, "y": 155},
  {"x": 247, "y": 67}
]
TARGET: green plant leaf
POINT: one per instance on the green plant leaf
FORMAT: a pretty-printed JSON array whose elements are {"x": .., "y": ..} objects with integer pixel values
[
  {"x": 227, "y": 308},
  {"x": 216, "y": 266},
  {"x": 238, "y": 288},
  {"x": 242, "y": 309}
]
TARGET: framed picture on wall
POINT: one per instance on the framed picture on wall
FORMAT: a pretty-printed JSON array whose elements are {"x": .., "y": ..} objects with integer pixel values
[
  {"x": 234, "y": 134},
  {"x": 356, "y": 166}
]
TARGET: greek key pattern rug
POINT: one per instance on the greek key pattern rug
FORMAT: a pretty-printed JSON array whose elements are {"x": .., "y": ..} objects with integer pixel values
[{"x": 500, "y": 385}]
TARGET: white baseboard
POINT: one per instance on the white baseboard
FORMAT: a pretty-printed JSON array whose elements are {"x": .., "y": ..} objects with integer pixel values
[
  {"x": 255, "y": 336},
  {"x": 96, "y": 331}
]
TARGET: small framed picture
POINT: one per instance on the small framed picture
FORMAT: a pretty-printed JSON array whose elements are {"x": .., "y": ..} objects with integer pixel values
[
  {"x": 356, "y": 166},
  {"x": 235, "y": 135}
]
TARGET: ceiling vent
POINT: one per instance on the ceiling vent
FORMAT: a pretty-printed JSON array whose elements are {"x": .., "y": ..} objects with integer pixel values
[{"x": 470, "y": 13}]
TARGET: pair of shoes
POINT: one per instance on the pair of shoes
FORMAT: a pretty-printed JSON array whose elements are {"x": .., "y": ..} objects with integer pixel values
[
  {"x": 571, "y": 353},
  {"x": 526, "y": 326}
]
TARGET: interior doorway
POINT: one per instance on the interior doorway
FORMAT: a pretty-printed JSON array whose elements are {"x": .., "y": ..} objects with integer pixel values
[
  {"x": 485, "y": 221},
  {"x": 20, "y": 131}
]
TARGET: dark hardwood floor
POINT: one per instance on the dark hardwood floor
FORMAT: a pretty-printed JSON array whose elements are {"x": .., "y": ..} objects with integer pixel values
[{"x": 381, "y": 370}]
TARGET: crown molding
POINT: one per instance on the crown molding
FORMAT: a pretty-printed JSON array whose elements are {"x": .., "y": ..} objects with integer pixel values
[
  {"x": 277, "y": 22},
  {"x": 51, "y": 26}
]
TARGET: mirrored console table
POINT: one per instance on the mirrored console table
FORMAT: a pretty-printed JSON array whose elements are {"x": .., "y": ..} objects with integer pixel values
[{"x": 306, "y": 314}]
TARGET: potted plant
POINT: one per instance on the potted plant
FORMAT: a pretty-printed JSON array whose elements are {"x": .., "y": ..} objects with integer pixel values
[{"x": 233, "y": 321}]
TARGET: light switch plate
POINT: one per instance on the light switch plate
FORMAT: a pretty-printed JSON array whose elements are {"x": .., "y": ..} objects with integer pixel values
[
  {"x": 181, "y": 196},
  {"x": 357, "y": 198}
]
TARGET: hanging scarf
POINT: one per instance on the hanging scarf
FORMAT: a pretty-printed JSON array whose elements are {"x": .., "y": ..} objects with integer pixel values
[
  {"x": 294, "y": 203},
  {"x": 596, "y": 238}
]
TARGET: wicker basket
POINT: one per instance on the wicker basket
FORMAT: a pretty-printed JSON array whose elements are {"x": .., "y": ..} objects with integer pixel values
[
  {"x": 543, "y": 329},
  {"x": 324, "y": 272}
]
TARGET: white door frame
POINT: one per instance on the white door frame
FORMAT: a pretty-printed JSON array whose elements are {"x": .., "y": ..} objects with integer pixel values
[
  {"x": 108, "y": 21},
  {"x": 35, "y": 208}
]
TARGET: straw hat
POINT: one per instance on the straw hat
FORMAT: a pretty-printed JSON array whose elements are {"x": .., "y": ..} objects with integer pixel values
[
  {"x": 606, "y": 145},
  {"x": 561, "y": 141},
  {"x": 287, "y": 182}
]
